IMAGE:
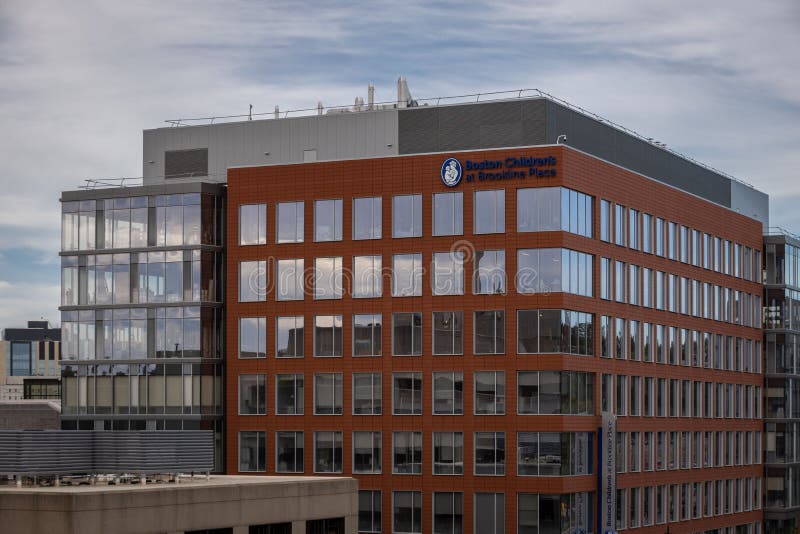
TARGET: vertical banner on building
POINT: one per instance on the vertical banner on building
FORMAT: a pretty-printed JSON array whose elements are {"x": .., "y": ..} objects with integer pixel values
[
  {"x": 582, "y": 456},
  {"x": 608, "y": 469}
]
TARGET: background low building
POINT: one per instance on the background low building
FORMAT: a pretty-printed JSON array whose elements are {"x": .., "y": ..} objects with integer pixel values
[
  {"x": 29, "y": 362},
  {"x": 221, "y": 504}
]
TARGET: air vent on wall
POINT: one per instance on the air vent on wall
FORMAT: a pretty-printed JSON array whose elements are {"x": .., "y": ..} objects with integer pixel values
[{"x": 186, "y": 163}]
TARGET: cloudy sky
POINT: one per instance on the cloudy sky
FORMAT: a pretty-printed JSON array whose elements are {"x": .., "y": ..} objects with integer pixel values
[{"x": 80, "y": 80}]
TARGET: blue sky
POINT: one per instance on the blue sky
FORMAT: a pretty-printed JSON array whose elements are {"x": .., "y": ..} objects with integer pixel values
[{"x": 79, "y": 81}]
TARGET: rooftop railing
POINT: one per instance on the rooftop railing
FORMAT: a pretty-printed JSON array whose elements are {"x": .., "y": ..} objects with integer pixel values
[
  {"x": 779, "y": 231},
  {"x": 101, "y": 183}
]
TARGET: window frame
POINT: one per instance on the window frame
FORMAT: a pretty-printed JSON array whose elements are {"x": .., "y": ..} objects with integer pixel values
[
  {"x": 458, "y": 404},
  {"x": 496, "y": 215},
  {"x": 357, "y": 223},
  {"x": 415, "y": 217},
  {"x": 375, "y": 377},
  {"x": 261, "y": 216},
  {"x": 495, "y": 464},
  {"x": 334, "y": 435},
  {"x": 333, "y": 399},
  {"x": 295, "y": 389},
  {"x": 337, "y": 225},
  {"x": 295, "y": 433},
  {"x": 299, "y": 220},
  {"x": 456, "y": 207},
  {"x": 261, "y": 381}
]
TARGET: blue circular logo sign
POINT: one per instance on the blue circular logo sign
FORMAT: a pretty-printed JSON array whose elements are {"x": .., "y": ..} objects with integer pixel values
[{"x": 451, "y": 172}]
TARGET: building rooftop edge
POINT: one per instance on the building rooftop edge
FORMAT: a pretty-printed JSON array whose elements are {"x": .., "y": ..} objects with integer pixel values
[{"x": 435, "y": 102}]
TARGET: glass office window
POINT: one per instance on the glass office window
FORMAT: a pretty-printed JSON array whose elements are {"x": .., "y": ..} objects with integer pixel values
[
  {"x": 367, "y": 452},
  {"x": 88, "y": 220},
  {"x": 633, "y": 228},
  {"x": 542, "y": 331},
  {"x": 490, "y": 453},
  {"x": 490, "y": 392},
  {"x": 407, "y": 216},
  {"x": 490, "y": 272},
  {"x": 367, "y": 394},
  {"x": 659, "y": 237},
  {"x": 448, "y": 213},
  {"x": 620, "y": 287},
  {"x": 328, "y": 278},
  {"x": 606, "y": 279},
  {"x": 490, "y": 332},
  {"x": 407, "y": 453},
  {"x": 490, "y": 212},
  {"x": 328, "y": 394},
  {"x": 290, "y": 275},
  {"x": 70, "y": 226},
  {"x": 647, "y": 233},
  {"x": 367, "y": 220},
  {"x": 633, "y": 285},
  {"x": 407, "y": 512},
  {"x": 407, "y": 334},
  {"x": 605, "y": 221},
  {"x": 252, "y": 281},
  {"x": 619, "y": 225},
  {"x": 555, "y": 393},
  {"x": 290, "y": 217},
  {"x": 289, "y": 394},
  {"x": 547, "y": 209},
  {"x": 490, "y": 513},
  {"x": 252, "y": 337},
  {"x": 685, "y": 245},
  {"x": 328, "y": 220},
  {"x": 647, "y": 287},
  {"x": 289, "y": 450},
  {"x": 21, "y": 360},
  {"x": 448, "y": 393},
  {"x": 369, "y": 511},
  {"x": 252, "y": 452},
  {"x": 448, "y": 273},
  {"x": 554, "y": 453},
  {"x": 367, "y": 334},
  {"x": 448, "y": 453},
  {"x": 407, "y": 393},
  {"x": 327, "y": 452},
  {"x": 328, "y": 335},
  {"x": 289, "y": 337},
  {"x": 69, "y": 281},
  {"x": 252, "y": 224},
  {"x": 367, "y": 277},
  {"x": 252, "y": 394},
  {"x": 550, "y": 270},
  {"x": 407, "y": 275},
  {"x": 448, "y": 512},
  {"x": 448, "y": 333}
]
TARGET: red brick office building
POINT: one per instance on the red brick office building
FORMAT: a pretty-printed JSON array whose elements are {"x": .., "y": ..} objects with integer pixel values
[{"x": 457, "y": 348}]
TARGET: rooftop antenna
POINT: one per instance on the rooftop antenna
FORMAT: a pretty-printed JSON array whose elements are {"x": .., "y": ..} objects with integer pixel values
[
  {"x": 370, "y": 96},
  {"x": 402, "y": 92},
  {"x": 250, "y": 114}
]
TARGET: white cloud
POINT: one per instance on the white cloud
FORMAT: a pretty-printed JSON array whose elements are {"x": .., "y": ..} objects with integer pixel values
[
  {"x": 21, "y": 302},
  {"x": 81, "y": 80}
]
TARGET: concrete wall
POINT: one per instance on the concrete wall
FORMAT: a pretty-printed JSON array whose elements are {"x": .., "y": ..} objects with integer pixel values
[
  {"x": 221, "y": 502},
  {"x": 334, "y": 137},
  {"x": 30, "y": 415}
]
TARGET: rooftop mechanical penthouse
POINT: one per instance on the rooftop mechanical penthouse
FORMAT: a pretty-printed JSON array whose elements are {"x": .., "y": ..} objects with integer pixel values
[{"x": 502, "y": 316}]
